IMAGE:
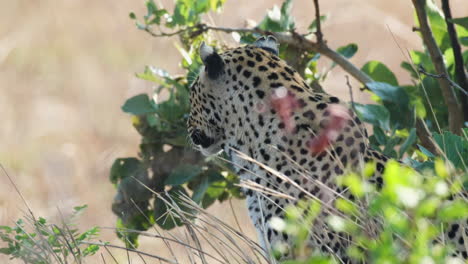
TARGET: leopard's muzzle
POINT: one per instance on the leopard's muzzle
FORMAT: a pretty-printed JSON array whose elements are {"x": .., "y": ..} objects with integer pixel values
[{"x": 199, "y": 138}]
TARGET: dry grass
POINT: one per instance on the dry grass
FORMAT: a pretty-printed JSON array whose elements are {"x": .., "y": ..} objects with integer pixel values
[{"x": 67, "y": 66}]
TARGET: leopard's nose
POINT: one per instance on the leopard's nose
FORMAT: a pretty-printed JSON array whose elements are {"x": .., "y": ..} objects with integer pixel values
[{"x": 201, "y": 139}]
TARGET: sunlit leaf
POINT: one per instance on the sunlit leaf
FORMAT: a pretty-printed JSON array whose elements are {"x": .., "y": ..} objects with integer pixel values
[{"x": 380, "y": 73}]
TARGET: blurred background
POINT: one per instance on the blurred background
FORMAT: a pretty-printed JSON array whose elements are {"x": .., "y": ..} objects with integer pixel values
[{"x": 66, "y": 67}]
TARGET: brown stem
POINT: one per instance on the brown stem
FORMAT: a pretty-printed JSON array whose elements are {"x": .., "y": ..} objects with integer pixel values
[
  {"x": 425, "y": 137},
  {"x": 455, "y": 115},
  {"x": 460, "y": 75}
]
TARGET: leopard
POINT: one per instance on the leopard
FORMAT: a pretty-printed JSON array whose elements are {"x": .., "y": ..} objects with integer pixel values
[{"x": 234, "y": 109}]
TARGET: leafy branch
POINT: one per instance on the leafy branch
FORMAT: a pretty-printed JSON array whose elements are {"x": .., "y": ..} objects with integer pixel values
[{"x": 301, "y": 42}]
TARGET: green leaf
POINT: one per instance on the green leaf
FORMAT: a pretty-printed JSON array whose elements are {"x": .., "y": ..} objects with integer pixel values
[
  {"x": 139, "y": 105},
  {"x": 408, "y": 142},
  {"x": 464, "y": 41},
  {"x": 380, "y": 73},
  {"x": 389, "y": 147},
  {"x": 215, "y": 4},
  {"x": 409, "y": 67},
  {"x": 207, "y": 178},
  {"x": 422, "y": 58},
  {"x": 462, "y": 21},
  {"x": 81, "y": 208},
  {"x": 90, "y": 250},
  {"x": 272, "y": 21},
  {"x": 182, "y": 174},
  {"x": 136, "y": 187},
  {"x": 374, "y": 114},
  {"x": 454, "y": 147},
  {"x": 287, "y": 21},
  {"x": 132, "y": 15},
  {"x": 349, "y": 50},
  {"x": 170, "y": 111},
  {"x": 181, "y": 13},
  {"x": 313, "y": 26},
  {"x": 426, "y": 152},
  {"x": 154, "y": 74},
  {"x": 389, "y": 93},
  {"x": 380, "y": 136},
  {"x": 122, "y": 168},
  {"x": 438, "y": 25},
  {"x": 278, "y": 20}
]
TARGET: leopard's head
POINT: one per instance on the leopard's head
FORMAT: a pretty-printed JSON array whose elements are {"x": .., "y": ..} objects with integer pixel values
[{"x": 227, "y": 86}]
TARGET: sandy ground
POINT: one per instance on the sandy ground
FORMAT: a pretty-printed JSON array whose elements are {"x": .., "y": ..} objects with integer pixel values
[{"x": 67, "y": 66}]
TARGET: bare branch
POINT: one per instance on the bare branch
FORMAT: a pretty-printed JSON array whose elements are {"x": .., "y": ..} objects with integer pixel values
[{"x": 455, "y": 115}]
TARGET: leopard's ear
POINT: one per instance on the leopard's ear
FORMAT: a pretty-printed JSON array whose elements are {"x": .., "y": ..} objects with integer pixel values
[
  {"x": 268, "y": 43},
  {"x": 214, "y": 64}
]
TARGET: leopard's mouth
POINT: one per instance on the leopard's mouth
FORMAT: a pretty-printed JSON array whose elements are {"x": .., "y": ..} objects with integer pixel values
[
  {"x": 199, "y": 138},
  {"x": 206, "y": 144}
]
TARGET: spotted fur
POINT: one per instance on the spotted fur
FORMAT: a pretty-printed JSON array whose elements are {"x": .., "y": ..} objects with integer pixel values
[{"x": 231, "y": 111}]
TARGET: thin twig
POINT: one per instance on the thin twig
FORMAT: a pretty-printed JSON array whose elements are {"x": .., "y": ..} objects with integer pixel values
[
  {"x": 455, "y": 115},
  {"x": 438, "y": 76},
  {"x": 292, "y": 39},
  {"x": 350, "y": 92},
  {"x": 318, "y": 33}
]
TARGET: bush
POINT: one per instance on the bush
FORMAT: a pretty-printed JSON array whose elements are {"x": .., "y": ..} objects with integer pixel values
[{"x": 48, "y": 243}]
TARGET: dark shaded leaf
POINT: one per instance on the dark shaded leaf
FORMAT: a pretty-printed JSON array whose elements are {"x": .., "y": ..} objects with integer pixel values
[
  {"x": 122, "y": 168},
  {"x": 182, "y": 174},
  {"x": 349, "y": 50},
  {"x": 380, "y": 135},
  {"x": 396, "y": 100},
  {"x": 374, "y": 114}
]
